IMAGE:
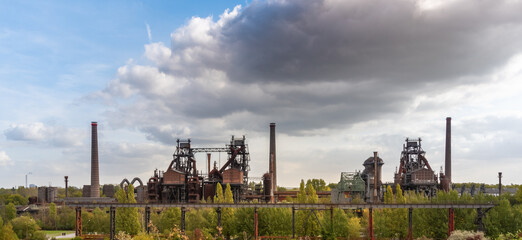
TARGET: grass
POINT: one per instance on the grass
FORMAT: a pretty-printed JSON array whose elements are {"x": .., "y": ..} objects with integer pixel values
[{"x": 56, "y": 233}]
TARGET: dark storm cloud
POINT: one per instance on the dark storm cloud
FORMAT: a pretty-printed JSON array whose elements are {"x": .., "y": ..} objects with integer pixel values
[
  {"x": 312, "y": 65},
  {"x": 309, "y": 41}
]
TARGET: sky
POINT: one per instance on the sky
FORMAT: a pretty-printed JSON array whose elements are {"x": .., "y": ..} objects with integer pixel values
[{"x": 340, "y": 78}]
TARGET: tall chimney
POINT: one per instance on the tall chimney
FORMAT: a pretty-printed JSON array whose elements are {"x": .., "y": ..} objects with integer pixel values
[
  {"x": 499, "y": 183},
  {"x": 66, "y": 185},
  {"x": 208, "y": 164},
  {"x": 375, "y": 200},
  {"x": 272, "y": 157},
  {"x": 447, "y": 171},
  {"x": 95, "y": 170}
]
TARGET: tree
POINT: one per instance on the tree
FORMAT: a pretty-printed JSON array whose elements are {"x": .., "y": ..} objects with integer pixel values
[
  {"x": 26, "y": 228},
  {"x": 168, "y": 220},
  {"x": 307, "y": 222},
  {"x": 7, "y": 233},
  {"x": 518, "y": 195},
  {"x": 219, "y": 194},
  {"x": 66, "y": 218},
  {"x": 10, "y": 211},
  {"x": 17, "y": 199},
  {"x": 127, "y": 219},
  {"x": 52, "y": 214},
  {"x": 301, "y": 195},
  {"x": 228, "y": 214}
]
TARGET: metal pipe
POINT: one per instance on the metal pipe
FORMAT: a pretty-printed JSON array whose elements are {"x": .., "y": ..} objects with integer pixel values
[
  {"x": 447, "y": 171},
  {"x": 95, "y": 170}
]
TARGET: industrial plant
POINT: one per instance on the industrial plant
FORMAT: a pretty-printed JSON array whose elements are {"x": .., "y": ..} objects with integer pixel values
[{"x": 182, "y": 182}]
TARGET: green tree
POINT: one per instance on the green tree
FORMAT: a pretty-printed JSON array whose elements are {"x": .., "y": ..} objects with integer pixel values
[
  {"x": 7, "y": 233},
  {"x": 339, "y": 226},
  {"x": 307, "y": 222},
  {"x": 66, "y": 218},
  {"x": 245, "y": 221},
  {"x": 17, "y": 199},
  {"x": 167, "y": 220},
  {"x": 518, "y": 194},
  {"x": 53, "y": 214},
  {"x": 127, "y": 219},
  {"x": 227, "y": 214},
  {"x": 275, "y": 221},
  {"x": 10, "y": 211},
  {"x": 301, "y": 195},
  {"x": 26, "y": 228},
  {"x": 219, "y": 194},
  {"x": 96, "y": 222}
]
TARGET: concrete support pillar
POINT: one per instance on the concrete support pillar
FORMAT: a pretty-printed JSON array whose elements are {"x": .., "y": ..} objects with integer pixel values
[
  {"x": 451, "y": 221},
  {"x": 480, "y": 223},
  {"x": 293, "y": 222},
  {"x": 331, "y": 218},
  {"x": 183, "y": 220},
  {"x": 78, "y": 226},
  {"x": 256, "y": 231},
  {"x": 410, "y": 224},
  {"x": 218, "y": 216},
  {"x": 112, "y": 211},
  {"x": 147, "y": 219},
  {"x": 370, "y": 224}
]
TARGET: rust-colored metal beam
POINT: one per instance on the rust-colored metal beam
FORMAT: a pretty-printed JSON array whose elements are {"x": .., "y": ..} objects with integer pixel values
[
  {"x": 78, "y": 226},
  {"x": 451, "y": 221},
  {"x": 410, "y": 224},
  {"x": 112, "y": 227},
  {"x": 370, "y": 224}
]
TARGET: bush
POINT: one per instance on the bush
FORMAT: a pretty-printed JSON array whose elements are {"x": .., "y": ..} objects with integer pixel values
[{"x": 465, "y": 235}]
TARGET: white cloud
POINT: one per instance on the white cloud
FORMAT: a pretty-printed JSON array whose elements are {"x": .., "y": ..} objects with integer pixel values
[
  {"x": 356, "y": 75},
  {"x": 38, "y": 132},
  {"x": 5, "y": 160},
  {"x": 149, "y": 35}
]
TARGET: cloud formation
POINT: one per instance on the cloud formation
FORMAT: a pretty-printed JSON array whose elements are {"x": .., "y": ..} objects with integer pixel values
[
  {"x": 359, "y": 75},
  {"x": 312, "y": 65},
  {"x": 5, "y": 160},
  {"x": 38, "y": 132}
]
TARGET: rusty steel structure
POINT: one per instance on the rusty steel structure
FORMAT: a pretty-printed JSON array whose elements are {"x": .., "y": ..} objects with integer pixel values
[
  {"x": 415, "y": 173},
  {"x": 181, "y": 182},
  {"x": 372, "y": 175}
]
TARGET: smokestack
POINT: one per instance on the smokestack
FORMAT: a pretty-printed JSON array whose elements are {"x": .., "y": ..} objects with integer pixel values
[
  {"x": 66, "y": 185},
  {"x": 95, "y": 170},
  {"x": 375, "y": 177},
  {"x": 499, "y": 183},
  {"x": 272, "y": 156},
  {"x": 208, "y": 164},
  {"x": 447, "y": 171}
]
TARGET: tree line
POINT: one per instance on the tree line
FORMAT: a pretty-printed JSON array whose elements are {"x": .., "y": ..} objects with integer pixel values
[{"x": 503, "y": 220}]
